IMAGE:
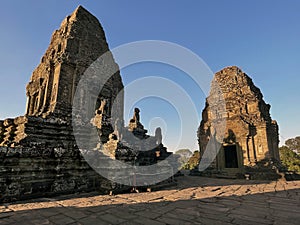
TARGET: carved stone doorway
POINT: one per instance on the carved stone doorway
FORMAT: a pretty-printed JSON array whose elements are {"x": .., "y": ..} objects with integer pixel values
[{"x": 231, "y": 157}]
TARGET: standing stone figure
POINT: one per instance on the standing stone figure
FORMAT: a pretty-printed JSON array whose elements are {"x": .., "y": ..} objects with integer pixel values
[
  {"x": 158, "y": 136},
  {"x": 136, "y": 115},
  {"x": 102, "y": 106},
  {"x": 99, "y": 115},
  {"x": 118, "y": 129}
]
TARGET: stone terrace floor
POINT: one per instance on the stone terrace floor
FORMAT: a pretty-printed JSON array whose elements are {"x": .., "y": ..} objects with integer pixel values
[{"x": 195, "y": 200}]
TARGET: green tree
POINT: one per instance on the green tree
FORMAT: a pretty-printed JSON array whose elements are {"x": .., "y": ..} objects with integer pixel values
[
  {"x": 289, "y": 159},
  {"x": 184, "y": 156},
  {"x": 193, "y": 161},
  {"x": 293, "y": 144}
]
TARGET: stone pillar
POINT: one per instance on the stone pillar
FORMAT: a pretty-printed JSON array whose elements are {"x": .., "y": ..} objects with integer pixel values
[
  {"x": 252, "y": 155},
  {"x": 248, "y": 149},
  {"x": 32, "y": 104},
  {"x": 27, "y": 104},
  {"x": 41, "y": 99},
  {"x": 2, "y": 129},
  {"x": 46, "y": 99},
  {"x": 254, "y": 149}
]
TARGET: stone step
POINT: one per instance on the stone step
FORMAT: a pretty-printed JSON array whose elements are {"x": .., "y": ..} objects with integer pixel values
[{"x": 225, "y": 176}]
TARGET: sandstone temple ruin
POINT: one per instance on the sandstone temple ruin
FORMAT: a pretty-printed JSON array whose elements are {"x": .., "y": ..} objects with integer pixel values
[
  {"x": 74, "y": 139},
  {"x": 38, "y": 151},
  {"x": 251, "y": 138}
]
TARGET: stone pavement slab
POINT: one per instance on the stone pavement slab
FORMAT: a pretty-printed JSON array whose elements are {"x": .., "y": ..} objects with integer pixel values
[{"x": 195, "y": 200}]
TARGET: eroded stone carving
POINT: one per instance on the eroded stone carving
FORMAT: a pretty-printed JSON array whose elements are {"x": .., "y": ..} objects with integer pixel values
[
  {"x": 251, "y": 135},
  {"x": 42, "y": 141},
  {"x": 158, "y": 135}
]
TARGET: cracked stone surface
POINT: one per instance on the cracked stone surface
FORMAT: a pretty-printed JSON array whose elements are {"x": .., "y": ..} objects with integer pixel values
[
  {"x": 237, "y": 117},
  {"x": 195, "y": 200}
]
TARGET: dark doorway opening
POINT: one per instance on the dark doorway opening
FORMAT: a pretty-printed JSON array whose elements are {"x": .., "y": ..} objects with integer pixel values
[{"x": 231, "y": 159}]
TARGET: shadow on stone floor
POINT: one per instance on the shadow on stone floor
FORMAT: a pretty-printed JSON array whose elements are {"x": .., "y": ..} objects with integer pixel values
[
  {"x": 280, "y": 207},
  {"x": 182, "y": 182},
  {"x": 199, "y": 181}
]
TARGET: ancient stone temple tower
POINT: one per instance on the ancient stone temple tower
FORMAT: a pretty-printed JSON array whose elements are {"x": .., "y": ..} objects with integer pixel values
[
  {"x": 78, "y": 42},
  {"x": 251, "y": 136},
  {"x": 38, "y": 152}
]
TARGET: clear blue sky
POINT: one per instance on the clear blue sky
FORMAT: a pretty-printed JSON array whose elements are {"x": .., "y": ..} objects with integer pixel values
[{"x": 262, "y": 37}]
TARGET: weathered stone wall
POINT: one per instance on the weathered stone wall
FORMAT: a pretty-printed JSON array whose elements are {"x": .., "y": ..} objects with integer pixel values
[
  {"x": 41, "y": 171},
  {"x": 38, "y": 152},
  {"x": 249, "y": 126},
  {"x": 73, "y": 48},
  {"x": 39, "y": 155},
  {"x": 78, "y": 42}
]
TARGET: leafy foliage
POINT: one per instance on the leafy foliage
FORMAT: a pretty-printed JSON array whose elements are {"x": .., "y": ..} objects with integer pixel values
[
  {"x": 289, "y": 159},
  {"x": 193, "y": 161},
  {"x": 293, "y": 144},
  {"x": 184, "y": 156}
]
